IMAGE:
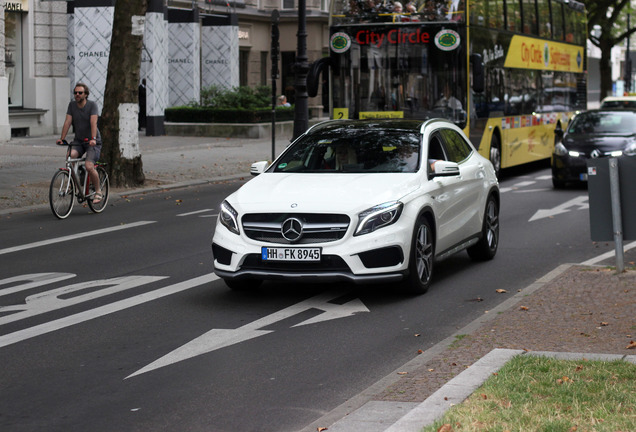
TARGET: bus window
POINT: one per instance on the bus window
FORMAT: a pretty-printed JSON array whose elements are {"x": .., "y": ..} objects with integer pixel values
[
  {"x": 495, "y": 13},
  {"x": 529, "y": 14},
  {"x": 513, "y": 15},
  {"x": 557, "y": 20},
  {"x": 570, "y": 24},
  {"x": 545, "y": 23},
  {"x": 581, "y": 28},
  {"x": 455, "y": 10}
]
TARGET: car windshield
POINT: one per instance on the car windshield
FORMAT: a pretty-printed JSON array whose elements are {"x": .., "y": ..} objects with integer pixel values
[
  {"x": 597, "y": 122},
  {"x": 354, "y": 151}
]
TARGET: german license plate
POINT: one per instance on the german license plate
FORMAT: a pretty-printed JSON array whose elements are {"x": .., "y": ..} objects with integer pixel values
[{"x": 290, "y": 254}]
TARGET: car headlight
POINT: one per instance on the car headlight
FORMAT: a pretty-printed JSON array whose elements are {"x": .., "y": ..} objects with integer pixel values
[
  {"x": 229, "y": 217},
  {"x": 630, "y": 149},
  {"x": 378, "y": 216},
  {"x": 560, "y": 150}
]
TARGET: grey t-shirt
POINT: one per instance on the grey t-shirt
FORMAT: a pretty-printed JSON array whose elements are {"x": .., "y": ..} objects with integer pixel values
[{"x": 82, "y": 120}]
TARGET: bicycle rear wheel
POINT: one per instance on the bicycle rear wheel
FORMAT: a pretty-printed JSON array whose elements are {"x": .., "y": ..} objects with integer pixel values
[
  {"x": 105, "y": 186},
  {"x": 61, "y": 194}
]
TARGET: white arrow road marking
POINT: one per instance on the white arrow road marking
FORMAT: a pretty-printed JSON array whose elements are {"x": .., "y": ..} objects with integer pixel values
[
  {"x": 59, "y": 298},
  {"x": 73, "y": 237},
  {"x": 61, "y": 323},
  {"x": 579, "y": 203},
  {"x": 220, "y": 338},
  {"x": 34, "y": 280}
]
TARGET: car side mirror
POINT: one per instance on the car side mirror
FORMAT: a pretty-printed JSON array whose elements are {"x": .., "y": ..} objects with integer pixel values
[
  {"x": 258, "y": 167},
  {"x": 446, "y": 169}
]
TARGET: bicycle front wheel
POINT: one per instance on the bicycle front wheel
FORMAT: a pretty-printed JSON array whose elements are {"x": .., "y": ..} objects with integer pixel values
[
  {"x": 105, "y": 187},
  {"x": 61, "y": 194}
]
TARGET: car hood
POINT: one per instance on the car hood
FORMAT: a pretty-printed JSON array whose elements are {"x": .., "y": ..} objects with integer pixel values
[
  {"x": 604, "y": 143},
  {"x": 342, "y": 193}
]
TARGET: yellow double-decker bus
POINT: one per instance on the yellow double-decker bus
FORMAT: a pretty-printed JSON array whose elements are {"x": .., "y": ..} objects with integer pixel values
[{"x": 509, "y": 72}]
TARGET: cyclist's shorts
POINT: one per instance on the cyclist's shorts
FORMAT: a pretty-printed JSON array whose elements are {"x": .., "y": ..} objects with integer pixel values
[{"x": 92, "y": 153}]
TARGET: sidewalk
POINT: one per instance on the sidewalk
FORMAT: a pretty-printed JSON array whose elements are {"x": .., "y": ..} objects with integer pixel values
[
  {"x": 27, "y": 164},
  {"x": 581, "y": 310}
]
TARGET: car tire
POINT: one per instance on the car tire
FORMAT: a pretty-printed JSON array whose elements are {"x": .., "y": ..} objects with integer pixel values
[
  {"x": 421, "y": 257},
  {"x": 486, "y": 248},
  {"x": 243, "y": 284}
]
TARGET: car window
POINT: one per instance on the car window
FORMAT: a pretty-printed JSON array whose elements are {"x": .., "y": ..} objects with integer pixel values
[
  {"x": 619, "y": 104},
  {"x": 358, "y": 151},
  {"x": 457, "y": 148},
  {"x": 604, "y": 122},
  {"x": 435, "y": 148}
]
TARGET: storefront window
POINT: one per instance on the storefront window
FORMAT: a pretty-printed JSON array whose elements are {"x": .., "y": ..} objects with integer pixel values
[{"x": 13, "y": 56}]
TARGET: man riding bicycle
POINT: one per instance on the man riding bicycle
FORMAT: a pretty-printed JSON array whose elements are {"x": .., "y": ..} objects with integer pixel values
[{"x": 83, "y": 114}]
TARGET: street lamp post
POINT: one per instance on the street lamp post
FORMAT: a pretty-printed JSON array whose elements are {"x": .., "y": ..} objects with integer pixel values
[
  {"x": 301, "y": 67},
  {"x": 628, "y": 64}
]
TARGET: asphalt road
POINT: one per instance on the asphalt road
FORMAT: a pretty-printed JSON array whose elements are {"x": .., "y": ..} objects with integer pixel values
[{"x": 116, "y": 321}]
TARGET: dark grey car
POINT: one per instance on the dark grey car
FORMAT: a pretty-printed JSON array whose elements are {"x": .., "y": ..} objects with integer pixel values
[{"x": 592, "y": 134}]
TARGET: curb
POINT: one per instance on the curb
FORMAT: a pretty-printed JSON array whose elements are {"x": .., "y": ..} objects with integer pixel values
[{"x": 378, "y": 414}]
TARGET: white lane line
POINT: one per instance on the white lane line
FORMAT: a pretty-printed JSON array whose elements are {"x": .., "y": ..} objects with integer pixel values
[
  {"x": 68, "y": 321},
  {"x": 195, "y": 212},
  {"x": 607, "y": 255},
  {"x": 73, "y": 237},
  {"x": 517, "y": 186}
]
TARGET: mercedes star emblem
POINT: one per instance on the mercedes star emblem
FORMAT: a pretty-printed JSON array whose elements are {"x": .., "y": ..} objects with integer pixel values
[{"x": 292, "y": 229}]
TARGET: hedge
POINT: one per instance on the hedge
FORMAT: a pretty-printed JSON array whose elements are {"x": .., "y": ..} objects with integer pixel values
[{"x": 203, "y": 114}]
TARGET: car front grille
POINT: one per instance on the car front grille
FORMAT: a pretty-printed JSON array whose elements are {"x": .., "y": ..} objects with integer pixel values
[{"x": 316, "y": 227}]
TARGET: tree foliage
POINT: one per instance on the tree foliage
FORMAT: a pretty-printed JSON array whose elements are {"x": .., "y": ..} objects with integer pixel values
[{"x": 607, "y": 27}]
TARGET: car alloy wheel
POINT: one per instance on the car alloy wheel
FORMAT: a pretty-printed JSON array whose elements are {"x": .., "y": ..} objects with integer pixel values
[
  {"x": 486, "y": 247},
  {"x": 421, "y": 259}
]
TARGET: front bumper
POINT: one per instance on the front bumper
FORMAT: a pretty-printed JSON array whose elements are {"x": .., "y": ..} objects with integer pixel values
[
  {"x": 569, "y": 169},
  {"x": 378, "y": 257}
]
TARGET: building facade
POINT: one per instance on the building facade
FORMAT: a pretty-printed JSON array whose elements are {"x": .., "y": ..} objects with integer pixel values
[{"x": 49, "y": 45}]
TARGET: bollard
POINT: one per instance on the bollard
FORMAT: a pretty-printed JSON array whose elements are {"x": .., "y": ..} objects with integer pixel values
[{"x": 617, "y": 222}]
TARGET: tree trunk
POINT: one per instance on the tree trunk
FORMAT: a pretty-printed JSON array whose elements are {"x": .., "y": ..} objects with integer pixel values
[
  {"x": 605, "y": 67},
  {"x": 120, "y": 148}
]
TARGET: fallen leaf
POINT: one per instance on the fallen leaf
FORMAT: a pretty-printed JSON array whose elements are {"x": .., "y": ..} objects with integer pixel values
[
  {"x": 321, "y": 429},
  {"x": 445, "y": 428},
  {"x": 431, "y": 370},
  {"x": 631, "y": 345},
  {"x": 484, "y": 396},
  {"x": 524, "y": 308},
  {"x": 420, "y": 351},
  {"x": 402, "y": 373},
  {"x": 603, "y": 324},
  {"x": 501, "y": 291}
]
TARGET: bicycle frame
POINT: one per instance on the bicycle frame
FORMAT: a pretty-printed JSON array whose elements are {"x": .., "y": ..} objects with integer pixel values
[{"x": 72, "y": 167}]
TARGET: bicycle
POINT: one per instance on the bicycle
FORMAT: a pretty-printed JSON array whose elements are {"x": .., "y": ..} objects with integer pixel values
[{"x": 72, "y": 182}]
